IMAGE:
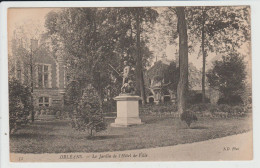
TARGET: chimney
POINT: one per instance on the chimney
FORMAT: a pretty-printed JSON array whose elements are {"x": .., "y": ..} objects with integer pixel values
[
  {"x": 164, "y": 58},
  {"x": 177, "y": 58},
  {"x": 34, "y": 44}
]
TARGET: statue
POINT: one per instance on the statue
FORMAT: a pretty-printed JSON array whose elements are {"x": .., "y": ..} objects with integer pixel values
[
  {"x": 126, "y": 73},
  {"x": 127, "y": 102},
  {"x": 128, "y": 88},
  {"x": 127, "y": 85}
]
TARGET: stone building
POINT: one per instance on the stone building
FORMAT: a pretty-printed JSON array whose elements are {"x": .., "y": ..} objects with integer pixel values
[
  {"x": 48, "y": 72},
  {"x": 156, "y": 83}
]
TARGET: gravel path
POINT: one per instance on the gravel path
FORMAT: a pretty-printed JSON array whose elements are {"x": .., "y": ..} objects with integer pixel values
[{"x": 235, "y": 147}]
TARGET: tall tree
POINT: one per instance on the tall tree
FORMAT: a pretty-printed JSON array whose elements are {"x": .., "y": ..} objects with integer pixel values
[
  {"x": 228, "y": 76},
  {"x": 86, "y": 42},
  {"x": 94, "y": 39},
  {"x": 139, "y": 65},
  {"x": 141, "y": 17},
  {"x": 23, "y": 56},
  {"x": 219, "y": 29},
  {"x": 182, "y": 88}
]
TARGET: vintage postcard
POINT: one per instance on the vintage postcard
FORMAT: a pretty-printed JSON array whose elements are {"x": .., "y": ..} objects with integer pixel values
[{"x": 130, "y": 84}]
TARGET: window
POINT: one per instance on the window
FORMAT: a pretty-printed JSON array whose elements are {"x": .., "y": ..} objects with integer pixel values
[
  {"x": 43, "y": 76},
  {"x": 19, "y": 71},
  {"x": 19, "y": 74},
  {"x": 44, "y": 101}
]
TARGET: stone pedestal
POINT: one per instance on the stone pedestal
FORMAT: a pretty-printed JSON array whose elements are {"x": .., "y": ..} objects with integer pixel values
[{"x": 127, "y": 111}]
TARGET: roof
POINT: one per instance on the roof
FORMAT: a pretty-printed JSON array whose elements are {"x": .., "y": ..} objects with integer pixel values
[{"x": 157, "y": 69}]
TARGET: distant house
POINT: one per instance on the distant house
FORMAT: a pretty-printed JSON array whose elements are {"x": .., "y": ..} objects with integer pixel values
[
  {"x": 156, "y": 82},
  {"x": 48, "y": 73}
]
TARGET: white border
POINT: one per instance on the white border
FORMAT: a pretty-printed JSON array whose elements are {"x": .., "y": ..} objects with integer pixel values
[{"x": 255, "y": 13}]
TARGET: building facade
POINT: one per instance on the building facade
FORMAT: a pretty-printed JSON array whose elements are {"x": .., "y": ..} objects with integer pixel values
[
  {"x": 157, "y": 85},
  {"x": 38, "y": 67}
]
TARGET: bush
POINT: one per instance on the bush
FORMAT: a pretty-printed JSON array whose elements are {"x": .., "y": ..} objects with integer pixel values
[
  {"x": 196, "y": 98},
  {"x": 159, "y": 108},
  {"x": 228, "y": 76},
  {"x": 52, "y": 110},
  {"x": 88, "y": 114},
  {"x": 188, "y": 117},
  {"x": 109, "y": 106},
  {"x": 200, "y": 107},
  {"x": 19, "y": 105},
  {"x": 232, "y": 100}
]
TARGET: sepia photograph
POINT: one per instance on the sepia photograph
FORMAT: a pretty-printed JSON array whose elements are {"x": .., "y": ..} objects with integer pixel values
[{"x": 130, "y": 84}]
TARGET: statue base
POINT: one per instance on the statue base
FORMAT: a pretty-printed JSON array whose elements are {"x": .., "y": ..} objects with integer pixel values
[{"x": 127, "y": 111}]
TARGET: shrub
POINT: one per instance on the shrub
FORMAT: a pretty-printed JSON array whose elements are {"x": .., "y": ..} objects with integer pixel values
[
  {"x": 196, "y": 98},
  {"x": 88, "y": 114},
  {"x": 188, "y": 117},
  {"x": 19, "y": 105},
  {"x": 158, "y": 108},
  {"x": 200, "y": 107},
  {"x": 214, "y": 108},
  {"x": 109, "y": 106},
  {"x": 232, "y": 100},
  {"x": 52, "y": 110},
  {"x": 228, "y": 75}
]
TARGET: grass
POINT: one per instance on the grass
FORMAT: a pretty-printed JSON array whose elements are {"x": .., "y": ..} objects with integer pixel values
[{"x": 59, "y": 137}]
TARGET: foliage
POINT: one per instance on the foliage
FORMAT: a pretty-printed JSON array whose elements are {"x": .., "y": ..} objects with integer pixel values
[
  {"x": 109, "y": 106},
  {"x": 223, "y": 110},
  {"x": 160, "y": 108},
  {"x": 85, "y": 38},
  {"x": 195, "y": 98},
  {"x": 232, "y": 100},
  {"x": 171, "y": 76},
  {"x": 52, "y": 110},
  {"x": 188, "y": 117},
  {"x": 225, "y": 28},
  {"x": 201, "y": 107},
  {"x": 73, "y": 93},
  {"x": 228, "y": 75},
  {"x": 94, "y": 39},
  {"x": 88, "y": 115},
  {"x": 221, "y": 29},
  {"x": 19, "y": 104}
]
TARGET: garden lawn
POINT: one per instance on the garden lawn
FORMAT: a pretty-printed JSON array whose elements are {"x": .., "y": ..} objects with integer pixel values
[{"x": 59, "y": 137}]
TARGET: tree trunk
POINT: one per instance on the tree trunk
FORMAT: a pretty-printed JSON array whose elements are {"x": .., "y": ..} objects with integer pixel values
[
  {"x": 97, "y": 74},
  {"x": 31, "y": 71},
  {"x": 203, "y": 56},
  {"x": 182, "y": 88},
  {"x": 100, "y": 98},
  {"x": 139, "y": 65}
]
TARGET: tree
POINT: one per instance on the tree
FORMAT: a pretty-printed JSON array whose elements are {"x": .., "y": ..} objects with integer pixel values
[
  {"x": 23, "y": 55},
  {"x": 87, "y": 116},
  {"x": 140, "y": 18},
  {"x": 220, "y": 29},
  {"x": 182, "y": 89},
  {"x": 19, "y": 104},
  {"x": 171, "y": 76},
  {"x": 228, "y": 76},
  {"x": 96, "y": 38},
  {"x": 85, "y": 39}
]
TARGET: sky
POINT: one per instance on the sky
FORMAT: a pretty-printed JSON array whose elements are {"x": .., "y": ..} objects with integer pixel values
[{"x": 32, "y": 18}]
